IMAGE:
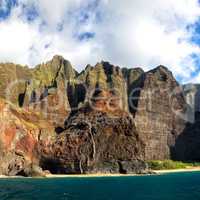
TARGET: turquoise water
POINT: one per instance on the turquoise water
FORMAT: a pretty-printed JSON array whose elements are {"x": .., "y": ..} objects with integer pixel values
[{"x": 177, "y": 186}]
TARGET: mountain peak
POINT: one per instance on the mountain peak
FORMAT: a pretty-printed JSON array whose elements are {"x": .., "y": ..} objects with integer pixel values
[
  {"x": 161, "y": 68},
  {"x": 58, "y": 57}
]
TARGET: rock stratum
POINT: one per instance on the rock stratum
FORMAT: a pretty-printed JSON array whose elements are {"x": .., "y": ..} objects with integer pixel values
[{"x": 105, "y": 119}]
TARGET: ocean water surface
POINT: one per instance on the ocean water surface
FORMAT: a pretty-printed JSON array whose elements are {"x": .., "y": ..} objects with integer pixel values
[{"x": 176, "y": 186}]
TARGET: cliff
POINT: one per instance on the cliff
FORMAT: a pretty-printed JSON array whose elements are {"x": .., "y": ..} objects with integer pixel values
[
  {"x": 20, "y": 133},
  {"x": 188, "y": 143},
  {"x": 104, "y": 119}
]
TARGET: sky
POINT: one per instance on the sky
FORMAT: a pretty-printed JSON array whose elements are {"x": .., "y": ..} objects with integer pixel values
[{"x": 127, "y": 33}]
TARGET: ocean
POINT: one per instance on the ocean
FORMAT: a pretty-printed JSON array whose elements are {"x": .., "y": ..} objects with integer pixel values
[{"x": 173, "y": 186}]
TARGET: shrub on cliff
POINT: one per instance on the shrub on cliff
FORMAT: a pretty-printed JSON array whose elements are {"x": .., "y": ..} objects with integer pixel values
[{"x": 166, "y": 164}]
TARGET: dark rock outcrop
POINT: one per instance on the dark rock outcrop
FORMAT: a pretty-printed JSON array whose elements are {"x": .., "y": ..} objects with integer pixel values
[{"x": 96, "y": 142}]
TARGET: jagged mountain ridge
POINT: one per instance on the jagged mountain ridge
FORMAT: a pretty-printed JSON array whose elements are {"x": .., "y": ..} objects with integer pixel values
[{"x": 104, "y": 119}]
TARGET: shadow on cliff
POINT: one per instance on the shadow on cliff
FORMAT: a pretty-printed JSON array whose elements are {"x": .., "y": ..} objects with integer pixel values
[
  {"x": 76, "y": 94},
  {"x": 134, "y": 90},
  {"x": 55, "y": 166},
  {"x": 187, "y": 144}
]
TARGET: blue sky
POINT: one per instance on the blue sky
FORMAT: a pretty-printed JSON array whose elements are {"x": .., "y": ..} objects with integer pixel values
[{"x": 125, "y": 32}]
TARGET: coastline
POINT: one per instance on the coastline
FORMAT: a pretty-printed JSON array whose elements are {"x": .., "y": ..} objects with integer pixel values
[
  {"x": 154, "y": 172},
  {"x": 73, "y": 176},
  {"x": 189, "y": 169},
  {"x": 89, "y": 175}
]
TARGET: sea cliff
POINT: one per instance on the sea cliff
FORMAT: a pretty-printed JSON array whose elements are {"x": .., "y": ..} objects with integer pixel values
[{"x": 105, "y": 119}]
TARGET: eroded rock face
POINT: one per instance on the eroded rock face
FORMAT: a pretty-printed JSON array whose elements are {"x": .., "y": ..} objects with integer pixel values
[
  {"x": 42, "y": 88},
  {"x": 12, "y": 81},
  {"x": 107, "y": 77},
  {"x": 20, "y": 133},
  {"x": 47, "y": 90},
  {"x": 160, "y": 113},
  {"x": 96, "y": 142}
]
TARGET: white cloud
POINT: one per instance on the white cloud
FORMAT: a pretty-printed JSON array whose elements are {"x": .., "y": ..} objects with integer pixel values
[
  {"x": 25, "y": 42},
  {"x": 15, "y": 40},
  {"x": 127, "y": 33},
  {"x": 54, "y": 12},
  {"x": 153, "y": 34},
  {"x": 3, "y": 5}
]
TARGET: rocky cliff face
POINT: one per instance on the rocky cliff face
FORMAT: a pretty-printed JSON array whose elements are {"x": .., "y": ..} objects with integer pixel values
[
  {"x": 40, "y": 88},
  {"x": 96, "y": 142},
  {"x": 188, "y": 143},
  {"x": 20, "y": 133},
  {"x": 104, "y": 119},
  {"x": 160, "y": 113}
]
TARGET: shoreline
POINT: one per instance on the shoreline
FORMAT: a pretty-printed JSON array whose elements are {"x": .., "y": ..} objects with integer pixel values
[
  {"x": 49, "y": 176},
  {"x": 154, "y": 172},
  {"x": 88, "y": 175},
  {"x": 166, "y": 171}
]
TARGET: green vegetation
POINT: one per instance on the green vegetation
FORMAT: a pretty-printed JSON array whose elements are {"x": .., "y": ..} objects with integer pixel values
[{"x": 170, "y": 164}]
